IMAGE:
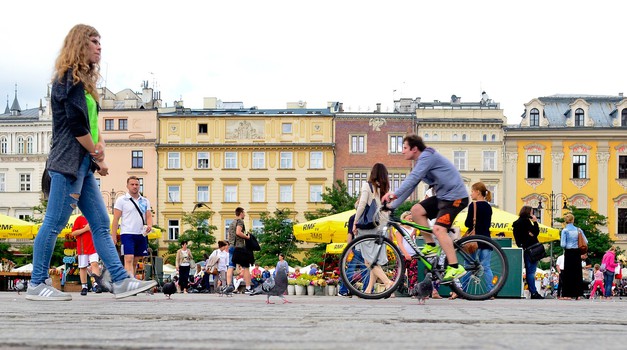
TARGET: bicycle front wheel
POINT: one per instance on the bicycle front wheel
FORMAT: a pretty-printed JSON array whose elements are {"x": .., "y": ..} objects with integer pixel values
[
  {"x": 368, "y": 263},
  {"x": 486, "y": 268}
]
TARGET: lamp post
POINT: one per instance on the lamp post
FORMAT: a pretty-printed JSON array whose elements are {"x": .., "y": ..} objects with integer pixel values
[
  {"x": 112, "y": 196},
  {"x": 552, "y": 205}
]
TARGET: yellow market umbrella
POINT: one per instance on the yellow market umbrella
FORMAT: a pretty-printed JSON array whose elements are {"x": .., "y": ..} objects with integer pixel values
[
  {"x": 332, "y": 228},
  {"x": 336, "y": 248},
  {"x": 502, "y": 223},
  {"x": 14, "y": 228}
]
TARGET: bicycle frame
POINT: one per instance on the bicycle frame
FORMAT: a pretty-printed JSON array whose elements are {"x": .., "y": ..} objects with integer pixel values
[{"x": 412, "y": 243}]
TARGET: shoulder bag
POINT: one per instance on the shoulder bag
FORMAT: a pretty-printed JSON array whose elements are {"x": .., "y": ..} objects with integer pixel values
[
  {"x": 366, "y": 220},
  {"x": 472, "y": 247},
  {"x": 535, "y": 251},
  {"x": 581, "y": 242}
]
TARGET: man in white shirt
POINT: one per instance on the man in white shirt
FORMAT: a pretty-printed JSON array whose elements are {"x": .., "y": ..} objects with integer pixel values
[{"x": 134, "y": 209}]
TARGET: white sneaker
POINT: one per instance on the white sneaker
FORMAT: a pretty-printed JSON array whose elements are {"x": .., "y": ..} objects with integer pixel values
[
  {"x": 46, "y": 292},
  {"x": 131, "y": 286}
]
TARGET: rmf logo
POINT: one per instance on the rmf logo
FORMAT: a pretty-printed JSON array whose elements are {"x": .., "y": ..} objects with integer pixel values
[
  {"x": 6, "y": 227},
  {"x": 308, "y": 226}
]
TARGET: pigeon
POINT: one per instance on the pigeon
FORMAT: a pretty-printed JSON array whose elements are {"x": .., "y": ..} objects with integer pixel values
[
  {"x": 19, "y": 286},
  {"x": 169, "y": 288},
  {"x": 274, "y": 286},
  {"x": 423, "y": 289}
]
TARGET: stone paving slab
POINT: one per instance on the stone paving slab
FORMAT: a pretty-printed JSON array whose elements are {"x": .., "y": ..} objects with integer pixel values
[{"x": 207, "y": 321}]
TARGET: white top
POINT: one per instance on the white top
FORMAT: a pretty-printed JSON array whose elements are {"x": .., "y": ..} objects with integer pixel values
[
  {"x": 131, "y": 221},
  {"x": 224, "y": 260},
  {"x": 560, "y": 262}
]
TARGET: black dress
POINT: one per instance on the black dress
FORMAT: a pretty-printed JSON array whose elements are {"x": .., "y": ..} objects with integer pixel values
[{"x": 572, "y": 277}]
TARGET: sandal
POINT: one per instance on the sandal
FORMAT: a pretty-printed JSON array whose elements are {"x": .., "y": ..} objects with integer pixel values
[{"x": 453, "y": 296}]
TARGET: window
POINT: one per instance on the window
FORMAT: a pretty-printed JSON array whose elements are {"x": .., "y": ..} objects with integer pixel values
[
  {"x": 623, "y": 117},
  {"x": 3, "y": 182},
  {"x": 579, "y": 121},
  {"x": 202, "y": 128},
  {"x": 137, "y": 159},
  {"x": 358, "y": 144},
  {"x": 20, "y": 145},
  {"x": 174, "y": 160},
  {"x": 315, "y": 160},
  {"x": 259, "y": 193},
  {"x": 4, "y": 145},
  {"x": 353, "y": 181},
  {"x": 464, "y": 137},
  {"x": 622, "y": 221},
  {"x": 230, "y": 193},
  {"x": 286, "y": 128},
  {"x": 396, "y": 144},
  {"x": 24, "y": 182},
  {"x": 492, "y": 189},
  {"x": 489, "y": 160},
  {"x": 286, "y": 160},
  {"x": 203, "y": 160},
  {"x": 395, "y": 180},
  {"x": 534, "y": 166},
  {"x": 579, "y": 166},
  {"x": 202, "y": 193},
  {"x": 493, "y": 137},
  {"x": 315, "y": 193},
  {"x": 29, "y": 145},
  {"x": 174, "y": 193},
  {"x": 455, "y": 137},
  {"x": 426, "y": 136},
  {"x": 436, "y": 137},
  {"x": 173, "y": 230},
  {"x": 123, "y": 124},
  {"x": 534, "y": 117},
  {"x": 259, "y": 160},
  {"x": 24, "y": 217},
  {"x": 622, "y": 167},
  {"x": 285, "y": 193},
  {"x": 230, "y": 160},
  {"x": 257, "y": 226},
  {"x": 485, "y": 137},
  {"x": 227, "y": 224},
  {"x": 459, "y": 160},
  {"x": 109, "y": 124}
]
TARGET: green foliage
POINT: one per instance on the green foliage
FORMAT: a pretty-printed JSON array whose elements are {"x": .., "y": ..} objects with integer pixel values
[
  {"x": 337, "y": 197},
  {"x": 4, "y": 251},
  {"x": 199, "y": 237},
  {"x": 276, "y": 237},
  {"x": 316, "y": 255}
]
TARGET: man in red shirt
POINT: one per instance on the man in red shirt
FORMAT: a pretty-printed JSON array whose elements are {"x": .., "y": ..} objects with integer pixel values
[{"x": 86, "y": 253}]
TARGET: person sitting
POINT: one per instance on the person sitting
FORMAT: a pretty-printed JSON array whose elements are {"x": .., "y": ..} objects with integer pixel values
[
  {"x": 313, "y": 270},
  {"x": 266, "y": 273},
  {"x": 256, "y": 276}
]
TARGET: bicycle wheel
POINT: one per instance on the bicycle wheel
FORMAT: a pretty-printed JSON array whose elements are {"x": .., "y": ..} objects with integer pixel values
[
  {"x": 355, "y": 266},
  {"x": 486, "y": 268}
]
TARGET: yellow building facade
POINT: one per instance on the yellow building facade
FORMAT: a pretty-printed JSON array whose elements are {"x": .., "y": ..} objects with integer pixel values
[
  {"x": 570, "y": 150},
  {"x": 260, "y": 160}
]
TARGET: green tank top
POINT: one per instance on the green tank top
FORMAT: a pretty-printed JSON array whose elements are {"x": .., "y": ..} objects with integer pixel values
[{"x": 92, "y": 110}]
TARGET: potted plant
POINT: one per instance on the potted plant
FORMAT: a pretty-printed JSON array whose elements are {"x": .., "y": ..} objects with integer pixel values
[
  {"x": 291, "y": 286},
  {"x": 301, "y": 286},
  {"x": 332, "y": 286}
]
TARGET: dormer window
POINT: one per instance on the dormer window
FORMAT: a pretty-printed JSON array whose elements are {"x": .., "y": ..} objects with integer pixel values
[
  {"x": 623, "y": 117},
  {"x": 534, "y": 117},
  {"x": 579, "y": 117}
]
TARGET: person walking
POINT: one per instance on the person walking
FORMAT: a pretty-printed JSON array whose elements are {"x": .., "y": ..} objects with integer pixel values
[
  {"x": 526, "y": 230},
  {"x": 86, "y": 253},
  {"x": 77, "y": 151},
  {"x": 238, "y": 253},
  {"x": 223, "y": 264},
  {"x": 451, "y": 197},
  {"x": 609, "y": 260},
  {"x": 572, "y": 275},
  {"x": 598, "y": 282},
  {"x": 408, "y": 252},
  {"x": 183, "y": 265},
  {"x": 134, "y": 209}
]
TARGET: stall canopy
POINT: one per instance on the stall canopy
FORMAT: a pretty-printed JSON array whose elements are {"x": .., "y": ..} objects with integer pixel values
[
  {"x": 14, "y": 228},
  {"x": 328, "y": 229},
  {"x": 156, "y": 233},
  {"x": 502, "y": 225}
]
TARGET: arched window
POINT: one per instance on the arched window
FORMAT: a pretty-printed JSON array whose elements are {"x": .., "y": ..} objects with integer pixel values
[
  {"x": 4, "y": 145},
  {"x": 426, "y": 136},
  {"x": 623, "y": 117},
  {"x": 493, "y": 137},
  {"x": 435, "y": 137},
  {"x": 485, "y": 137},
  {"x": 534, "y": 117},
  {"x": 29, "y": 145},
  {"x": 20, "y": 145},
  {"x": 463, "y": 137},
  {"x": 579, "y": 117},
  {"x": 454, "y": 137}
]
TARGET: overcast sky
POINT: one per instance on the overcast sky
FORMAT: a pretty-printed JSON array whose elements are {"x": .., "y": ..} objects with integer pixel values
[{"x": 267, "y": 53}]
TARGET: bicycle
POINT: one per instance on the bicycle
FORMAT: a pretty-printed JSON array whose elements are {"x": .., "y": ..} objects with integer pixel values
[{"x": 475, "y": 285}]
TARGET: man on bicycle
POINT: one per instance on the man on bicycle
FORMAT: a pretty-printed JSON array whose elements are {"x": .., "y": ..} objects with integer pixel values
[{"x": 451, "y": 197}]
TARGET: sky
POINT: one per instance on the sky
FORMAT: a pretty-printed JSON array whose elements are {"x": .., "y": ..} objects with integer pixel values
[{"x": 268, "y": 53}]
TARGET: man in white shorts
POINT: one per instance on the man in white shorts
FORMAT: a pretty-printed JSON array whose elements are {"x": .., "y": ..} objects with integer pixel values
[{"x": 86, "y": 253}]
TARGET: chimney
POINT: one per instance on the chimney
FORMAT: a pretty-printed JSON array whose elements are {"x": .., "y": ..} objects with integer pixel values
[
  {"x": 620, "y": 94},
  {"x": 378, "y": 110},
  {"x": 341, "y": 107}
]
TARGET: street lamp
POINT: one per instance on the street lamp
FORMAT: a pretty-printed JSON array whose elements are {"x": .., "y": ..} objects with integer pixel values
[
  {"x": 112, "y": 196},
  {"x": 553, "y": 201}
]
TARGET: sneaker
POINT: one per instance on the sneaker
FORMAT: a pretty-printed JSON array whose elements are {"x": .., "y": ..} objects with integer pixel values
[
  {"x": 537, "y": 295},
  {"x": 84, "y": 291},
  {"x": 429, "y": 251},
  {"x": 131, "y": 286},
  {"x": 453, "y": 273},
  {"x": 96, "y": 289},
  {"x": 45, "y": 291},
  {"x": 248, "y": 291}
]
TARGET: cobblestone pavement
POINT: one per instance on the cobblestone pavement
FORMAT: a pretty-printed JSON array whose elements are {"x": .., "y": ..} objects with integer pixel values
[{"x": 207, "y": 321}]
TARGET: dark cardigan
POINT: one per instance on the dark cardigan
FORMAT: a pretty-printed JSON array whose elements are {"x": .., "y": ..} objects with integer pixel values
[{"x": 522, "y": 227}]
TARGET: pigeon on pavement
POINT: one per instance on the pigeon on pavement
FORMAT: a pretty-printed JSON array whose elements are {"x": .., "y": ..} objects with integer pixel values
[
  {"x": 276, "y": 286},
  {"x": 169, "y": 288},
  {"x": 422, "y": 290}
]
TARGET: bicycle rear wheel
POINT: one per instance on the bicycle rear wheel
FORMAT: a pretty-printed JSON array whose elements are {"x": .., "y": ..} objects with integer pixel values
[
  {"x": 486, "y": 268},
  {"x": 355, "y": 266}
]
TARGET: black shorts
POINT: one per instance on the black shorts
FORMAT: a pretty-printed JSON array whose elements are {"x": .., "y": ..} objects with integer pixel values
[{"x": 442, "y": 210}]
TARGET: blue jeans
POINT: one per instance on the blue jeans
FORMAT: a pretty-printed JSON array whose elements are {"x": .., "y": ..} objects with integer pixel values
[
  {"x": 530, "y": 273},
  {"x": 608, "y": 279},
  {"x": 484, "y": 258},
  {"x": 350, "y": 271},
  {"x": 60, "y": 207}
]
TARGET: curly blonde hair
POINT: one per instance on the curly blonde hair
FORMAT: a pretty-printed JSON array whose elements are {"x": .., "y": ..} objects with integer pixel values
[{"x": 75, "y": 55}]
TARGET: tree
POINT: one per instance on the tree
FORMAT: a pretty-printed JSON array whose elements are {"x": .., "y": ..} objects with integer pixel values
[
  {"x": 276, "y": 237},
  {"x": 199, "y": 236}
]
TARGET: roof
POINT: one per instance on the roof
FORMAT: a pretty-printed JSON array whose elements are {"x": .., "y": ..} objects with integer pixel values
[{"x": 557, "y": 108}]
